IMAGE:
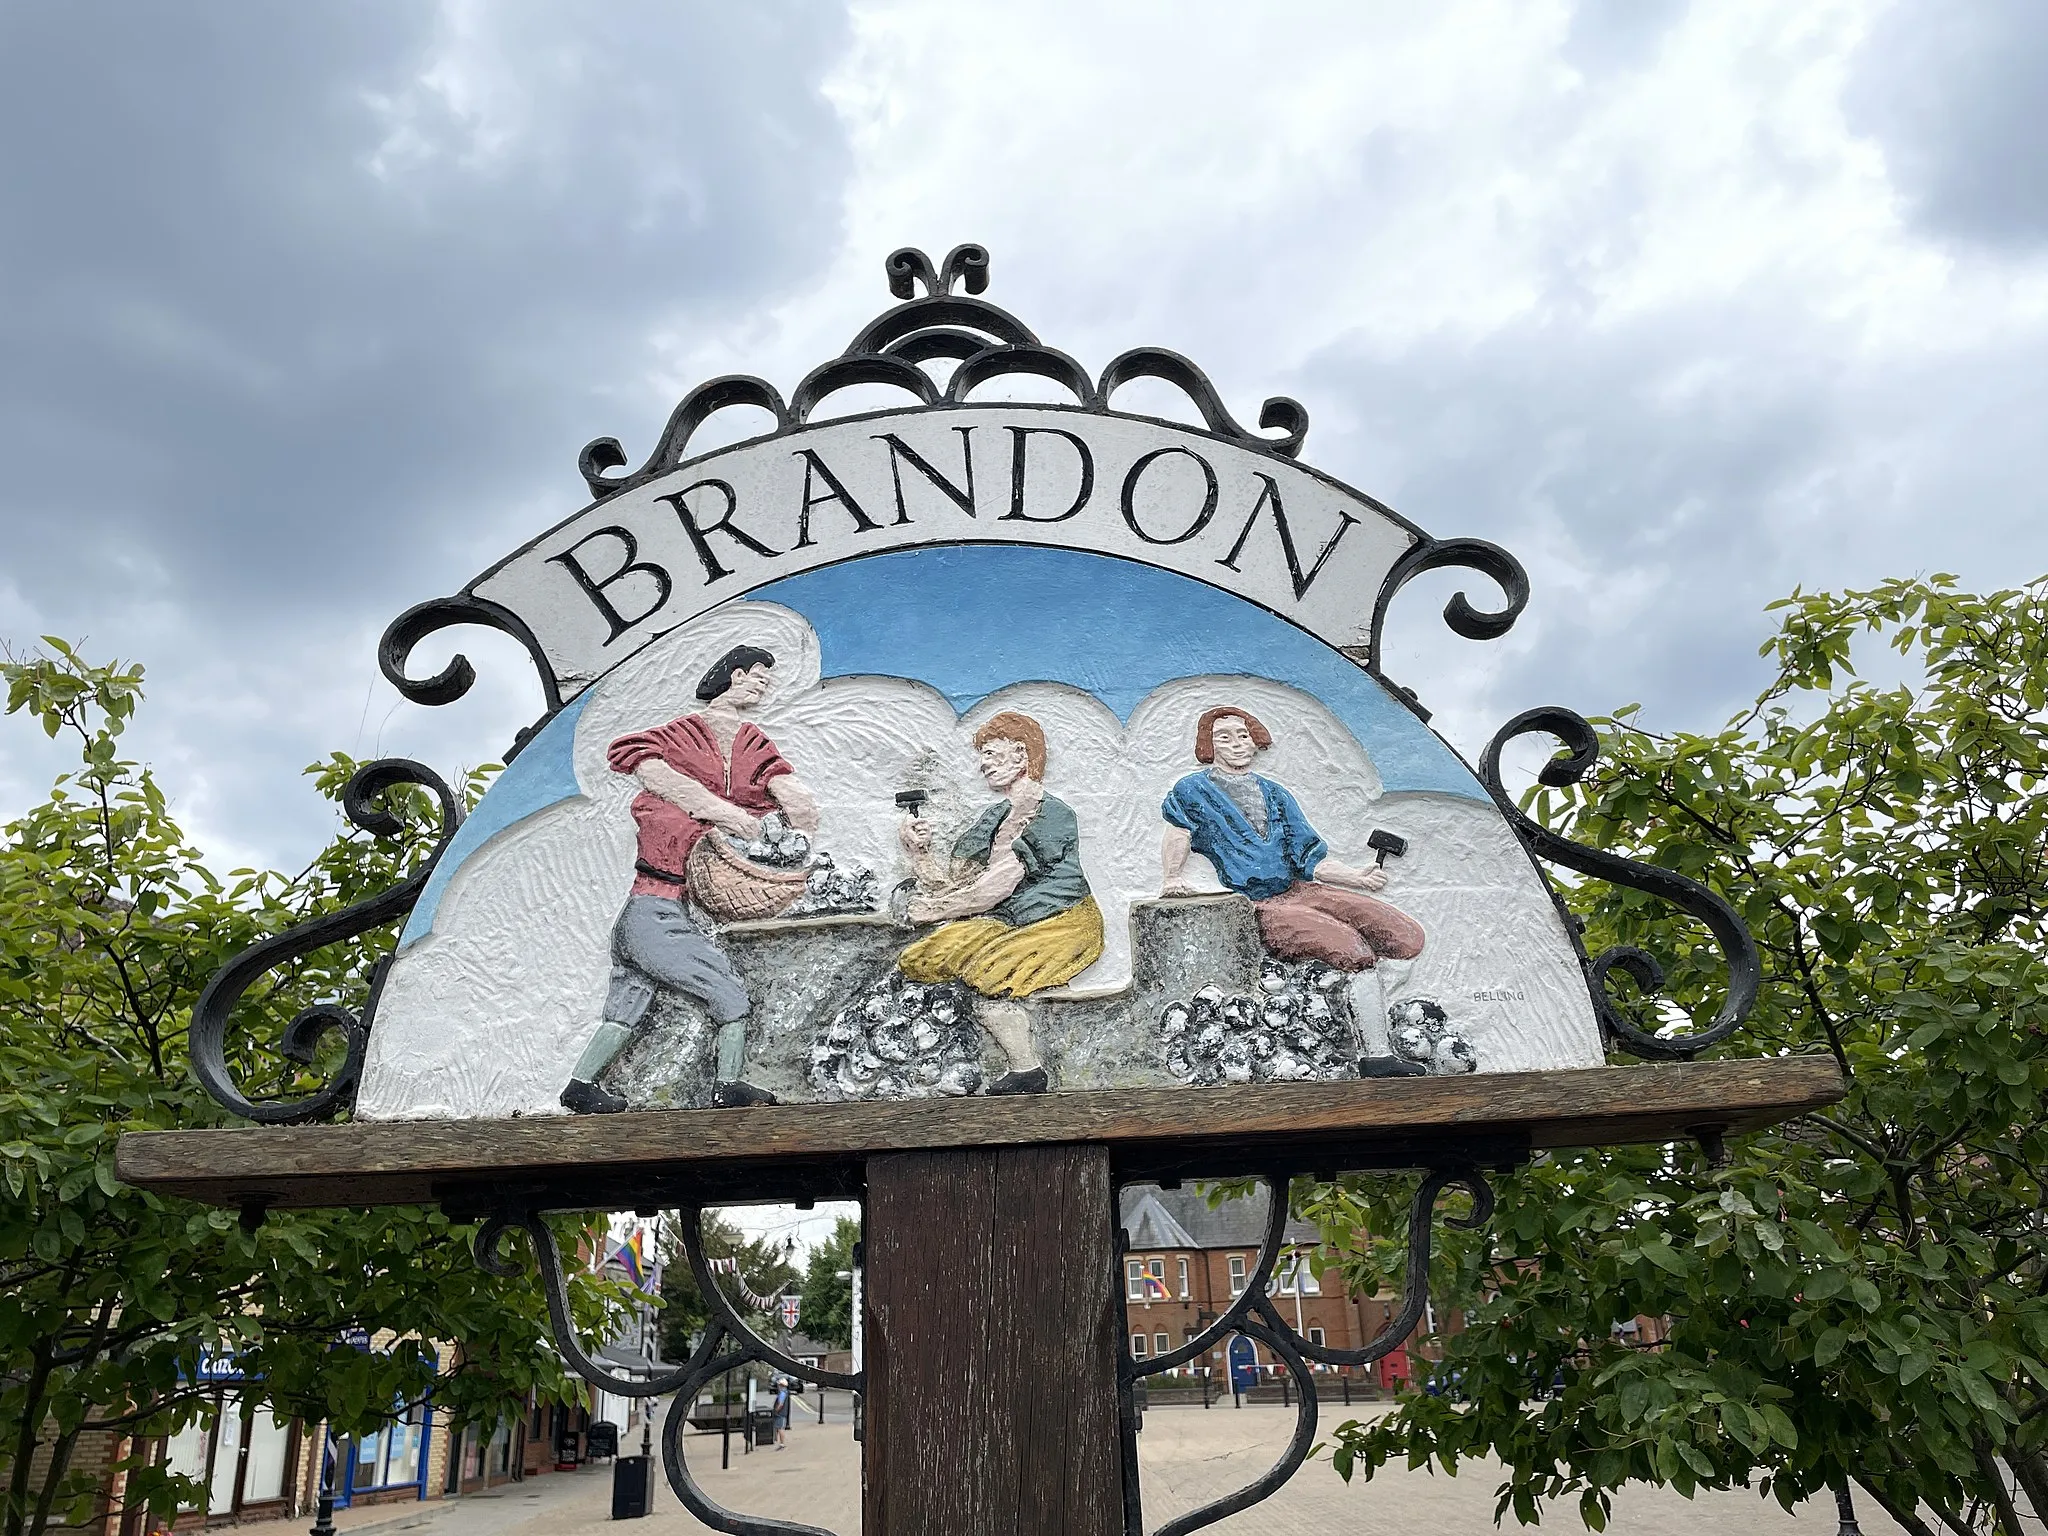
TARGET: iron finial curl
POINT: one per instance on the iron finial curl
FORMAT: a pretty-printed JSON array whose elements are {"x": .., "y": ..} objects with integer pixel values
[
  {"x": 212, "y": 1012},
  {"x": 1581, "y": 750}
]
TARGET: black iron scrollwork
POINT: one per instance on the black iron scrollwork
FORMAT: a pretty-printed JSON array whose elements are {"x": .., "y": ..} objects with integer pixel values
[
  {"x": 697, "y": 407},
  {"x": 984, "y": 340},
  {"x": 1738, "y": 949},
  {"x": 1289, "y": 416},
  {"x": 1253, "y": 1314},
  {"x": 455, "y": 679},
  {"x": 727, "y": 1344},
  {"x": 909, "y": 268},
  {"x": 210, "y": 1014},
  {"x": 1460, "y": 614}
]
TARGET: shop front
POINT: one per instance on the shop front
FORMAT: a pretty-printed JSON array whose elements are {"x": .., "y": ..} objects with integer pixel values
[
  {"x": 244, "y": 1458},
  {"x": 387, "y": 1465}
]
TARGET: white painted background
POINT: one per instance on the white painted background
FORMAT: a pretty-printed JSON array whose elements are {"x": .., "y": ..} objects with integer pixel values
[{"x": 485, "y": 1015}]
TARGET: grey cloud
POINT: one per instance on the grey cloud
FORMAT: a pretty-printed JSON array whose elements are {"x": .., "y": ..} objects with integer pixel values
[
  {"x": 1954, "y": 95},
  {"x": 1665, "y": 478},
  {"x": 275, "y": 302},
  {"x": 302, "y": 305}
]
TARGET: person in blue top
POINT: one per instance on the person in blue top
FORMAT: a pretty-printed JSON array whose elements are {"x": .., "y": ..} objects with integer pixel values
[{"x": 1309, "y": 906}]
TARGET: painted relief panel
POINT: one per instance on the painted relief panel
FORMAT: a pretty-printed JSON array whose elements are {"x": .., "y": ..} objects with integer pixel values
[{"x": 993, "y": 818}]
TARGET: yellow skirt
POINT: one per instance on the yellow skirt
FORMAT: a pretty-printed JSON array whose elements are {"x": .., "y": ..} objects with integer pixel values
[{"x": 997, "y": 960}]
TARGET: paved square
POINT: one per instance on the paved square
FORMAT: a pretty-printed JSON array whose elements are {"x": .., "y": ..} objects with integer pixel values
[{"x": 1188, "y": 1456}]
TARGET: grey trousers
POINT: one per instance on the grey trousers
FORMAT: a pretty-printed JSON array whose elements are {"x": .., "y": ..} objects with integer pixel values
[{"x": 658, "y": 944}]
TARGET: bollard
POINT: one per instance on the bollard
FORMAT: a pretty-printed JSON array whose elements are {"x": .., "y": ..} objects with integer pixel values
[
  {"x": 725, "y": 1426},
  {"x": 1347, "y": 1389},
  {"x": 1287, "y": 1389}
]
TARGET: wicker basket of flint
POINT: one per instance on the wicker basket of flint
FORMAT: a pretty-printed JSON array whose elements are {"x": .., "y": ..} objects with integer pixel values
[{"x": 756, "y": 879}]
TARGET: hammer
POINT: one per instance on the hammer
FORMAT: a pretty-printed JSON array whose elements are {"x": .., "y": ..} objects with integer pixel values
[
  {"x": 912, "y": 801},
  {"x": 1384, "y": 843}
]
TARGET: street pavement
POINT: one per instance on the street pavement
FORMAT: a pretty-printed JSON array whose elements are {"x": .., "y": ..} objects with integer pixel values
[{"x": 1188, "y": 1456}]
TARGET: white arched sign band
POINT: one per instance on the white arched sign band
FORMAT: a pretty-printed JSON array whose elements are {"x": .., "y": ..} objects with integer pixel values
[{"x": 620, "y": 574}]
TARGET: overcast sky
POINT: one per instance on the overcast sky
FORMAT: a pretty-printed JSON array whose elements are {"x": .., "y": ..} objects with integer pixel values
[{"x": 306, "y": 310}]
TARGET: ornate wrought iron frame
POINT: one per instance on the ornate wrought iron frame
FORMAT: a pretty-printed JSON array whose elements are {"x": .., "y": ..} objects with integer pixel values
[
  {"x": 728, "y": 1342},
  {"x": 985, "y": 343}
]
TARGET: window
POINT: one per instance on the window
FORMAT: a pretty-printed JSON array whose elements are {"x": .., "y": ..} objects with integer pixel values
[
  {"x": 1145, "y": 1280},
  {"x": 1237, "y": 1274},
  {"x": 1137, "y": 1343},
  {"x": 1183, "y": 1279},
  {"x": 1315, "y": 1337},
  {"x": 499, "y": 1463},
  {"x": 185, "y": 1451},
  {"x": 1292, "y": 1277},
  {"x": 390, "y": 1457},
  {"x": 236, "y": 1452},
  {"x": 1161, "y": 1345}
]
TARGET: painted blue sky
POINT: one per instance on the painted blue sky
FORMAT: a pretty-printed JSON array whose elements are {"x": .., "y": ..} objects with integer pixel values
[{"x": 972, "y": 619}]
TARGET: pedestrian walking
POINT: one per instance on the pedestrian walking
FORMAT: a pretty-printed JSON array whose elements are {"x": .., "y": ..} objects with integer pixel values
[{"x": 781, "y": 1408}]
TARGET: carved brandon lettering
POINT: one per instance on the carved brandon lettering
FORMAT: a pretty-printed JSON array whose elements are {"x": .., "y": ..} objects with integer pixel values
[
  {"x": 816, "y": 469},
  {"x": 1271, "y": 495},
  {"x": 699, "y": 533},
  {"x": 1020, "y": 461},
  {"x": 653, "y": 556},
  {"x": 1201, "y": 518},
  {"x": 961, "y": 496},
  {"x": 630, "y": 565}
]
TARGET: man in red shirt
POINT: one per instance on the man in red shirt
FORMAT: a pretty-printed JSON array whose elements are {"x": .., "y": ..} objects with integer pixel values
[{"x": 712, "y": 769}]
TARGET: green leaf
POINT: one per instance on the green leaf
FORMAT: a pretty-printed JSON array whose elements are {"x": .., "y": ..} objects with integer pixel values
[{"x": 1661, "y": 1254}]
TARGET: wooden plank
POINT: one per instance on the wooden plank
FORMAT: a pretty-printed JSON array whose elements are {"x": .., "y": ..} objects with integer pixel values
[
  {"x": 991, "y": 1344},
  {"x": 615, "y": 1161}
]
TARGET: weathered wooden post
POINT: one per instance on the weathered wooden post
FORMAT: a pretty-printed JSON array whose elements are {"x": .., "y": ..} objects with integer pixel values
[{"x": 968, "y": 808}]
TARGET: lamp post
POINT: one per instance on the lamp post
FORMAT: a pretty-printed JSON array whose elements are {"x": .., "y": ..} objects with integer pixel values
[
  {"x": 1846, "y": 1509},
  {"x": 323, "y": 1513}
]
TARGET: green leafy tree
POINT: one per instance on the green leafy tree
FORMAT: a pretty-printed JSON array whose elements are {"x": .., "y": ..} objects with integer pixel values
[
  {"x": 1861, "y": 1296},
  {"x": 110, "y": 923},
  {"x": 827, "y": 1313},
  {"x": 764, "y": 1268}
]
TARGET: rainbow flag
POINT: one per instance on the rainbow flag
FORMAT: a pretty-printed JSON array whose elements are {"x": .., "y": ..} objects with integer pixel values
[
  {"x": 632, "y": 1256},
  {"x": 1155, "y": 1287}
]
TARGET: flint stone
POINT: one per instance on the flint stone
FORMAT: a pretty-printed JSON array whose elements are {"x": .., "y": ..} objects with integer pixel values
[{"x": 801, "y": 971}]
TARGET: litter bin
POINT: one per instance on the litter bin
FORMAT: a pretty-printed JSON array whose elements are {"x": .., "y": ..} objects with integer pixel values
[
  {"x": 764, "y": 1426},
  {"x": 629, "y": 1487}
]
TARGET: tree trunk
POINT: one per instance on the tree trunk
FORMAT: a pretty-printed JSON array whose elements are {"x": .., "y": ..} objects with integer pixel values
[
  {"x": 60, "y": 1463},
  {"x": 33, "y": 1409},
  {"x": 1994, "y": 1477},
  {"x": 2032, "y": 1475}
]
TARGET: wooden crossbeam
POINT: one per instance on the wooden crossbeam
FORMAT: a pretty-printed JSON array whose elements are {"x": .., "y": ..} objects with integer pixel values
[{"x": 663, "y": 1157}]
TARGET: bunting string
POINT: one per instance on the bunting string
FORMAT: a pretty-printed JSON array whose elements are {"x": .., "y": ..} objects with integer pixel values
[{"x": 732, "y": 1267}]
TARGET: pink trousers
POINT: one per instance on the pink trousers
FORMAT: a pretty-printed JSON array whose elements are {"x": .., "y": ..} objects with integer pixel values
[{"x": 1346, "y": 929}]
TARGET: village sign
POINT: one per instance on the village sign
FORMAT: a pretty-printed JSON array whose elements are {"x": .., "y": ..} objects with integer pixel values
[{"x": 977, "y": 789}]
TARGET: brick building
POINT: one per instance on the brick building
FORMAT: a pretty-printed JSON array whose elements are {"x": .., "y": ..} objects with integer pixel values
[{"x": 1186, "y": 1261}]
